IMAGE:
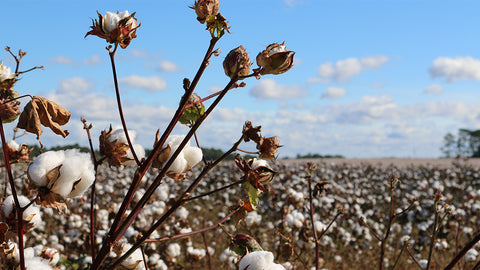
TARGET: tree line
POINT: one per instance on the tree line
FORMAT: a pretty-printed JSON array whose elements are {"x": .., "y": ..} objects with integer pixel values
[{"x": 466, "y": 143}]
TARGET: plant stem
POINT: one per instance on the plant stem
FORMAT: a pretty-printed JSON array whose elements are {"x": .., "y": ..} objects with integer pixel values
[
  {"x": 462, "y": 253},
  {"x": 312, "y": 212},
  {"x": 92, "y": 196},
  {"x": 434, "y": 235},
  {"x": 119, "y": 104},
  {"x": 214, "y": 191},
  {"x": 18, "y": 209}
]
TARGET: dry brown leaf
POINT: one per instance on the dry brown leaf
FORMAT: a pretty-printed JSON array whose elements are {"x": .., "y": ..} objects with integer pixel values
[{"x": 40, "y": 111}]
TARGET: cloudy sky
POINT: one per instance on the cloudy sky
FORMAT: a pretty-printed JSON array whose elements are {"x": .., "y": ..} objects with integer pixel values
[{"x": 372, "y": 78}]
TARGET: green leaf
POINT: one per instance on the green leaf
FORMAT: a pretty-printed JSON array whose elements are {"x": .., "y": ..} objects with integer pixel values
[
  {"x": 190, "y": 115},
  {"x": 252, "y": 194}
]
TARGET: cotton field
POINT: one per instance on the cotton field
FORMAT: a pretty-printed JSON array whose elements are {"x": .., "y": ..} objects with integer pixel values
[{"x": 351, "y": 216}]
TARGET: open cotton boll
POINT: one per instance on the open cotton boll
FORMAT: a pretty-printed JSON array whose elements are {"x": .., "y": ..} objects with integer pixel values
[
  {"x": 13, "y": 145},
  {"x": 37, "y": 264},
  {"x": 135, "y": 260},
  {"x": 193, "y": 155},
  {"x": 44, "y": 163},
  {"x": 76, "y": 166},
  {"x": 31, "y": 214},
  {"x": 119, "y": 135},
  {"x": 259, "y": 260},
  {"x": 76, "y": 172}
]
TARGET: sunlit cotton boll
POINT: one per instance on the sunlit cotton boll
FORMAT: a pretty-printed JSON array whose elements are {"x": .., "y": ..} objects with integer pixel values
[
  {"x": 76, "y": 172},
  {"x": 188, "y": 157},
  {"x": 253, "y": 218},
  {"x": 135, "y": 260},
  {"x": 110, "y": 20},
  {"x": 173, "y": 250},
  {"x": 31, "y": 215},
  {"x": 259, "y": 260}
]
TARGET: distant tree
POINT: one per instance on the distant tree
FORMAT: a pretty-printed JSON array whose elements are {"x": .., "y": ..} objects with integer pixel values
[
  {"x": 449, "y": 145},
  {"x": 466, "y": 144}
]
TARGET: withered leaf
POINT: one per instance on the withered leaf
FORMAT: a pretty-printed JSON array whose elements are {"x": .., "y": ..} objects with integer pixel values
[{"x": 40, "y": 111}]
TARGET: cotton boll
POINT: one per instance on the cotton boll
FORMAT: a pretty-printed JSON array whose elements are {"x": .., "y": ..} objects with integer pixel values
[
  {"x": 253, "y": 218},
  {"x": 135, "y": 260},
  {"x": 43, "y": 164},
  {"x": 259, "y": 260},
  {"x": 173, "y": 250},
  {"x": 32, "y": 213},
  {"x": 179, "y": 165},
  {"x": 37, "y": 264},
  {"x": 182, "y": 213},
  {"x": 119, "y": 135},
  {"x": 13, "y": 145},
  {"x": 193, "y": 155}
]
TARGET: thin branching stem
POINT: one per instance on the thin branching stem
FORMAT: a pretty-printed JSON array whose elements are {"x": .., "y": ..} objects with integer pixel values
[
  {"x": 464, "y": 251},
  {"x": 205, "y": 244},
  {"x": 92, "y": 196},
  {"x": 312, "y": 214},
  {"x": 183, "y": 235},
  {"x": 18, "y": 209},
  {"x": 413, "y": 257},
  {"x": 215, "y": 191},
  {"x": 119, "y": 105}
]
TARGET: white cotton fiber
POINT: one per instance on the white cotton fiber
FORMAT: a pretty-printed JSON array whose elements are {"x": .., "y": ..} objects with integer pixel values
[
  {"x": 32, "y": 211},
  {"x": 43, "y": 164},
  {"x": 187, "y": 158},
  {"x": 259, "y": 260}
]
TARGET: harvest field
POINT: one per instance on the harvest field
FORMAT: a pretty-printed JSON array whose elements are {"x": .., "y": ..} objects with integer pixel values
[{"x": 355, "y": 189}]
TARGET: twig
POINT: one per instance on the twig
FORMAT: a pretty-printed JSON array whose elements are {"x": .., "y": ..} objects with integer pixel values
[
  {"x": 462, "y": 253},
  {"x": 119, "y": 104},
  {"x": 207, "y": 252},
  {"x": 18, "y": 208},
  {"x": 413, "y": 258},
  {"x": 310, "y": 171},
  {"x": 214, "y": 191}
]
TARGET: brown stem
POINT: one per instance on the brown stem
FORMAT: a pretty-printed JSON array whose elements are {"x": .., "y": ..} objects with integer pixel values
[
  {"x": 389, "y": 226},
  {"x": 111, "y": 235},
  {"x": 247, "y": 152},
  {"x": 183, "y": 235},
  {"x": 202, "y": 100},
  {"x": 312, "y": 212},
  {"x": 413, "y": 258},
  {"x": 434, "y": 234},
  {"x": 119, "y": 105},
  {"x": 205, "y": 244},
  {"x": 92, "y": 196},
  {"x": 463, "y": 252},
  {"x": 214, "y": 191},
  {"x": 18, "y": 209}
]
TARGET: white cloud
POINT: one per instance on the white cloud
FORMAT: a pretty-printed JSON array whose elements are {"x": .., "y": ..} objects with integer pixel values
[
  {"x": 63, "y": 60},
  {"x": 152, "y": 83},
  {"x": 455, "y": 69},
  {"x": 434, "y": 89},
  {"x": 95, "y": 59},
  {"x": 345, "y": 69},
  {"x": 269, "y": 89},
  {"x": 76, "y": 84},
  {"x": 168, "y": 66},
  {"x": 334, "y": 92}
]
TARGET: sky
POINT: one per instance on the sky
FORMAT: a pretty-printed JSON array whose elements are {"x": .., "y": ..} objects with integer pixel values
[{"x": 371, "y": 78}]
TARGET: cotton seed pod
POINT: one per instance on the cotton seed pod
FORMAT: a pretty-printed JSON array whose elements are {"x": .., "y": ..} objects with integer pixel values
[
  {"x": 263, "y": 172},
  {"x": 118, "y": 28},
  {"x": 31, "y": 215},
  {"x": 237, "y": 63},
  {"x": 243, "y": 244},
  {"x": 9, "y": 111},
  {"x": 275, "y": 59},
  {"x": 205, "y": 9}
]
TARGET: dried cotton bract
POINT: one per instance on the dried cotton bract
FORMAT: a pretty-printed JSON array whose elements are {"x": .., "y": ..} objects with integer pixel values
[
  {"x": 114, "y": 146},
  {"x": 275, "y": 59},
  {"x": 59, "y": 175}
]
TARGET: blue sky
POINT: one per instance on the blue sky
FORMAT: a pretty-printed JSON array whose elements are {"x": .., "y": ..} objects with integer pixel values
[{"x": 371, "y": 78}]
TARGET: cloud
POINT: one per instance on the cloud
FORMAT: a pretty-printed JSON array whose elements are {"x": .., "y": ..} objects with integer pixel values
[
  {"x": 269, "y": 89},
  {"x": 152, "y": 83},
  {"x": 75, "y": 85},
  {"x": 95, "y": 59},
  {"x": 62, "y": 60},
  {"x": 434, "y": 89},
  {"x": 334, "y": 92},
  {"x": 168, "y": 66},
  {"x": 455, "y": 69},
  {"x": 345, "y": 69}
]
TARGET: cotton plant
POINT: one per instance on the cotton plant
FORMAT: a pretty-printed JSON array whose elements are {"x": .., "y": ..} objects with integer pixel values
[
  {"x": 61, "y": 175},
  {"x": 115, "y": 147}
]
